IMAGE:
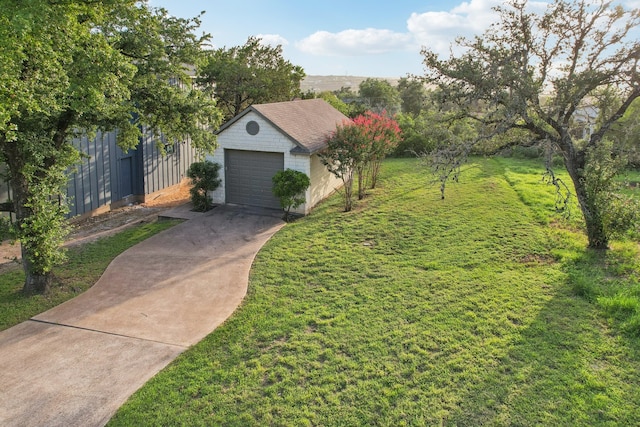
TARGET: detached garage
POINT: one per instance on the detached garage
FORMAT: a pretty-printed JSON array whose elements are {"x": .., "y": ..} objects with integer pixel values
[{"x": 266, "y": 138}]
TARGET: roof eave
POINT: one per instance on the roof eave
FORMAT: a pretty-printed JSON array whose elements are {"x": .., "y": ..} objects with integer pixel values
[
  {"x": 300, "y": 151},
  {"x": 235, "y": 119}
]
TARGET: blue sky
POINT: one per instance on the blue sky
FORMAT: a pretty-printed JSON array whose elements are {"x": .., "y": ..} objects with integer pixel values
[{"x": 343, "y": 37}]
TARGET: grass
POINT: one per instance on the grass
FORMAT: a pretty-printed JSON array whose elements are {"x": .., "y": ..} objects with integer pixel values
[
  {"x": 415, "y": 311},
  {"x": 630, "y": 181},
  {"x": 83, "y": 268},
  {"x": 609, "y": 279}
]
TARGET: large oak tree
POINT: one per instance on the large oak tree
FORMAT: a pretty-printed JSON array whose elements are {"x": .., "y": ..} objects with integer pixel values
[
  {"x": 254, "y": 73},
  {"x": 71, "y": 67},
  {"x": 544, "y": 73}
]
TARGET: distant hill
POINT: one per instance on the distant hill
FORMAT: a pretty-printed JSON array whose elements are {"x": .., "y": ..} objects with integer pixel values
[{"x": 323, "y": 83}]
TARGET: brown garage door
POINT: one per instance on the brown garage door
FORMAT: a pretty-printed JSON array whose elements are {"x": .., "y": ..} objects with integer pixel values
[{"x": 248, "y": 177}]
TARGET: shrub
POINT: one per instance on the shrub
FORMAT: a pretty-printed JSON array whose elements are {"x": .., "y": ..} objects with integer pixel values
[
  {"x": 289, "y": 186},
  {"x": 204, "y": 178}
]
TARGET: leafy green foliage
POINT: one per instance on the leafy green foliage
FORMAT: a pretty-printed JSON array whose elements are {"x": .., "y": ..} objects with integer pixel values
[
  {"x": 454, "y": 312},
  {"x": 289, "y": 186},
  {"x": 204, "y": 178},
  {"x": 355, "y": 104},
  {"x": 71, "y": 68},
  {"x": 620, "y": 213},
  {"x": 626, "y": 133},
  {"x": 335, "y": 102},
  {"x": 416, "y": 135},
  {"x": 430, "y": 130},
  {"x": 379, "y": 96},
  {"x": 413, "y": 95},
  {"x": 254, "y": 73}
]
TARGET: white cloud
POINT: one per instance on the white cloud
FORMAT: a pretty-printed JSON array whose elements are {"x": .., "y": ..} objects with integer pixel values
[
  {"x": 354, "y": 42},
  {"x": 437, "y": 30},
  {"x": 272, "y": 39}
]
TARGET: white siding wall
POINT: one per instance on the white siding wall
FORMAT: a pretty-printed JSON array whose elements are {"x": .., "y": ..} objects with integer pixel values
[
  {"x": 269, "y": 139},
  {"x": 323, "y": 183}
]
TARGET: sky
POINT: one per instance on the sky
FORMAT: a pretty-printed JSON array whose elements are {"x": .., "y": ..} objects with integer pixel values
[{"x": 344, "y": 37}]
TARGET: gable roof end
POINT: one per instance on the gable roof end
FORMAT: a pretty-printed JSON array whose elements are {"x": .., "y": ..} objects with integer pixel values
[{"x": 306, "y": 122}]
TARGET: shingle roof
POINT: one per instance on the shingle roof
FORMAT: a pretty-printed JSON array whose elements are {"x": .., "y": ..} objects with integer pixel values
[{"x": 306, "y": 122}]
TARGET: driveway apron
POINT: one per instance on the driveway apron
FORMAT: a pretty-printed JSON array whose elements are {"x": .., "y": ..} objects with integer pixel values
[{"x": 77, "y": 363}]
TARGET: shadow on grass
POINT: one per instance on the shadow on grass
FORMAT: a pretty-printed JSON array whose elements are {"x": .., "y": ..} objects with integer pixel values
[
  {"x": 566, "y": 367},
  {"x": 610, "y": 280}
]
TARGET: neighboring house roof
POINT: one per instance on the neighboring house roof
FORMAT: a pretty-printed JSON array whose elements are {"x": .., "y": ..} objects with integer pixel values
[{"x": 307, "y": 123}]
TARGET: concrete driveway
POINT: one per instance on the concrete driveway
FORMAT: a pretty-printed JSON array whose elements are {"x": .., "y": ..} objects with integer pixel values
[{"x": 77, "y": 363}]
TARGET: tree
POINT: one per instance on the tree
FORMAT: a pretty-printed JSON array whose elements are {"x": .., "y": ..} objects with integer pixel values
[
  {"x": 537, "y": 73},
  {"x": 381, "y": 134},
  {"x": 345, "y": 93},
  {"x": 355, "y": 104},
  {"x": 379, "y": 96},
  {"x": 289, "y": 186},
  {"x": 343, "y": 155},
  {"x": 413, "y": 95},
  {"x": 204, "y": 178},
  {"x": 335, "y": 102},
  {"x": 358, "y": 148},
  {"x": 436, "y": 125},
  {"x": 425, "y": 133},
  {"x": 69, "y": 68},
  {"x": 251, "y": 74}
]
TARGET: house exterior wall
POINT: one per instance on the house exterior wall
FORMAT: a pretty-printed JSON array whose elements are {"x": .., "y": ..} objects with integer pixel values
[
  {"x": 324, "y": 182},
  {"x": 270, "y": 139},
  {"x": 160, "y": 171},
  {"x": 90, "y": 182},
  {"x": 95, "y": 184}
]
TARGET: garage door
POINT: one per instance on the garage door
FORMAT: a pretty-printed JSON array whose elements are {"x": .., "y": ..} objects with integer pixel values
[{"x": 248, "y": 177}]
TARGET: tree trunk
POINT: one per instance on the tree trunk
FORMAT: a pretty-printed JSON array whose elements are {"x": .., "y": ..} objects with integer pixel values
[
  {"x": 34, "y": 283},
  {"x": 348, "y": 191},
  {"x": 375, "y": 170},
  {"x": 361, "y": 172},
  {"x": 596, "y": 234}
]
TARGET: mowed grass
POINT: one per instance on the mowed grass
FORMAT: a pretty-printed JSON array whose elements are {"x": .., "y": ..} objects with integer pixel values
[
  {"x": 412, "y": 311},
  {"x": 83, "y": 268},
  {"x": 609, "y": 279}
]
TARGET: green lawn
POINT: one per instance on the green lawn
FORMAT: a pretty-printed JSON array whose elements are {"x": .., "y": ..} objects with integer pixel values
[
  {"x": 415, "y": 311},
  {"x": 84, "y": 267},
  {"x": 631, "y": 181}
]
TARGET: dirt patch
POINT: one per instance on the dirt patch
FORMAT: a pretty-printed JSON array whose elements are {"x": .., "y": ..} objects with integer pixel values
[
  {"x": 97, "y": 226},
  {"x": 108, "y": 223}
]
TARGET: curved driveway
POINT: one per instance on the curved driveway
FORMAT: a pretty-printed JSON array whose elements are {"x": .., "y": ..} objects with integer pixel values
[{"x": 75, "y": 364}]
